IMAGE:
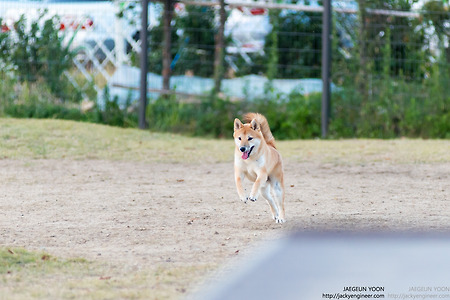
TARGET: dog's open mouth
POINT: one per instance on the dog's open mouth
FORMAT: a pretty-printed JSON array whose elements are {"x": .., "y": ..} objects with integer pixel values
[{"x": 246, "y": 154}]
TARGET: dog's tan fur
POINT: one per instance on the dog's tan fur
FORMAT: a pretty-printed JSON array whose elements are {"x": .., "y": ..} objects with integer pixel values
[{"x": 256, "y": 158}]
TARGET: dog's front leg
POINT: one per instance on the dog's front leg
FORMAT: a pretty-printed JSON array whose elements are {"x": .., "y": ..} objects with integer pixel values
[
  {"x": 261, "y": 179},
  {"x": 239, "y": 177}
]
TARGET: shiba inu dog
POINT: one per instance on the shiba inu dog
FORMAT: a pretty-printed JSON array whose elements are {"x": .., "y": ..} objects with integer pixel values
[{"x": 256, "y": 158}]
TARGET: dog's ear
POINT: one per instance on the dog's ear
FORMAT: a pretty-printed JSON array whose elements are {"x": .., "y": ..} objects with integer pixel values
[
  {"x": 254, "y": 125},
  {"x": 237, "y": 124}
]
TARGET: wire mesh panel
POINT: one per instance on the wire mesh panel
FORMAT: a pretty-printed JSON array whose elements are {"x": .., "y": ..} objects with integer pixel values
[{"x": 387, "y": 56}]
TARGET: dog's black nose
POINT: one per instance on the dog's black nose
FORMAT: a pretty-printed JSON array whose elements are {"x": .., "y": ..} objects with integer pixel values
[{"x": 242, "y": 149}]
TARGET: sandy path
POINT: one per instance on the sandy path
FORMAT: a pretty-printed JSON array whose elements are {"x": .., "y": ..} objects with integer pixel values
[{"x": 135, "y": 214}]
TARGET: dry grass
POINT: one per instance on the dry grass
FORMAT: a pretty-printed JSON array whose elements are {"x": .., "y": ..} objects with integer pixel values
[
  {"x": 40, "y": 139},
  {"x": 368, "y": 151}
]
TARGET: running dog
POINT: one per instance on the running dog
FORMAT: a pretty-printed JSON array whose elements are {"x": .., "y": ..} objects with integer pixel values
[{"x": 256, "y": 158}]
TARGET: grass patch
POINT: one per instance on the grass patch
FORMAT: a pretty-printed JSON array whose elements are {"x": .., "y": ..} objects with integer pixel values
[
  {"x": 13, "y": 261},
  {"x": 359, "y": 151},
  {"x": 57, "y": 139},
  {"x": 38, "y": 275}
]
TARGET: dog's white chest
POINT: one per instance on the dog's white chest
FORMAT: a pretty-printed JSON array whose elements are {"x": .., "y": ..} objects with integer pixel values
[{"x": 251, "y": 168}]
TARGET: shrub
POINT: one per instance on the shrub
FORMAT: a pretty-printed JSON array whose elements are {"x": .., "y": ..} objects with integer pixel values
[
  {"x": 298, "y": 117},
  {"x": 397, "y": 109},
  {"x": 111, "y": 113},
  {"x": 36, "y": 53}
]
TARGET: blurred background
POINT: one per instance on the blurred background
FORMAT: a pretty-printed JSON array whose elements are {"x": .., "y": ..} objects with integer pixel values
[{"x": 209, "y": 62}]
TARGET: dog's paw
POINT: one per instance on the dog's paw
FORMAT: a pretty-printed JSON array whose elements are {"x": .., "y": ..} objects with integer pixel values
[
  {"x": 252, "y": 198},
  {"x": 279, "y": 220}
]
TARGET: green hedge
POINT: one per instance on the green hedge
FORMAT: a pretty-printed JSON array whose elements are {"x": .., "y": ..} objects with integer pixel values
[
  {"x": 388, "y": 113},
  {"x": 298, "y": 116}
]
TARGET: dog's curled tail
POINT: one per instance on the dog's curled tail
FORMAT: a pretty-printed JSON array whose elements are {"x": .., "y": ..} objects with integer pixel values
[{"x": 262, "y": 122}]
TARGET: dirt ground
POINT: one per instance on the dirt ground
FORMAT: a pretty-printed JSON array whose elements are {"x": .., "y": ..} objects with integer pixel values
[{"x": 137, "y": 215}]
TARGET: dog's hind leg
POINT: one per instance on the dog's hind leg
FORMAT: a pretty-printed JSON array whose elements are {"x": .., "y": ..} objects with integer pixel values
[
  {"x": 278, "y": 191},
  {"x": 265, "y": 191}
]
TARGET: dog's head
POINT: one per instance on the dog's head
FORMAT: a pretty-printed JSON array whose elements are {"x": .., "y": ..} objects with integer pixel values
[{"x": 247, "y": 137}]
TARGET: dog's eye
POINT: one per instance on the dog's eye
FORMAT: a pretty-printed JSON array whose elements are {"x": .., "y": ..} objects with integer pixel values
[
  {"x": 250, "y": 138},
  {"x": 239, "y": 138}
]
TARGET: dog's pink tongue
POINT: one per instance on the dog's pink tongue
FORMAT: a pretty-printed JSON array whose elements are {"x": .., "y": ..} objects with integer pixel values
[{"x": 245, "y": 155}]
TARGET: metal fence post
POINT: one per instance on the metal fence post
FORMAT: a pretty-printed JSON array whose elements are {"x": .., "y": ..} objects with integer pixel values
[
  {"x": 144, "y": 66},
  {"x": 326, "y": 65}
]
